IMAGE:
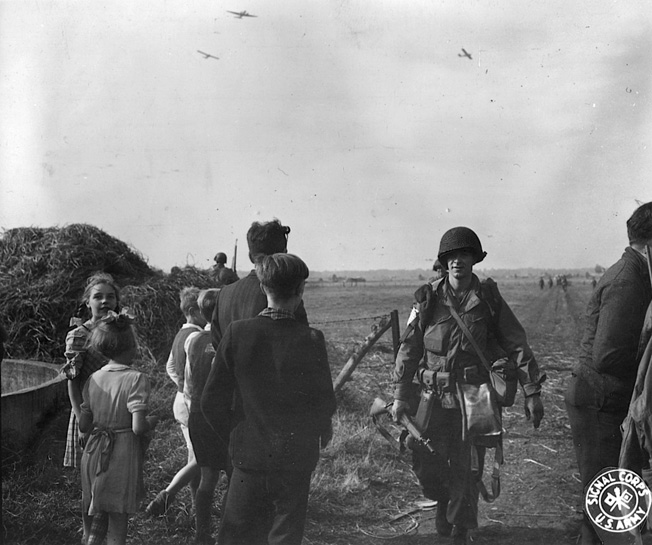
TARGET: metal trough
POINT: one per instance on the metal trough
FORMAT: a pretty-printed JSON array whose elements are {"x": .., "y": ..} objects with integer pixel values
[{"x": 30, "y": 390}]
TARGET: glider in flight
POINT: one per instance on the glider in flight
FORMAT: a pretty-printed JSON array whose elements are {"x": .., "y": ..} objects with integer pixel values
[
  {"x": 208, "y": 55},
  {"x": 465, "y": 53},
  {"x": 241, "y": 14}
]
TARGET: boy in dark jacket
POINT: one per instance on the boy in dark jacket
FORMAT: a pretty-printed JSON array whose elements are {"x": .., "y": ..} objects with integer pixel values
[{"x": 275, "y": 371}]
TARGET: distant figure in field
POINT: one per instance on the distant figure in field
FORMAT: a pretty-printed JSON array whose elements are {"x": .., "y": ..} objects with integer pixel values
[
  {"x": 222, "y": 275},
  {"x": 593, "y": 282},
  {"x": 601, "y": 385},
  {"x": 550, "y": 284},
  {"x": 541, "y": 283}
]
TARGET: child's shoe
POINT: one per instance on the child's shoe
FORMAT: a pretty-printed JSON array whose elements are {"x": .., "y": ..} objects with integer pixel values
[
  {"x": 160, "y": 504},
  {"x": 204, "y": 539}
]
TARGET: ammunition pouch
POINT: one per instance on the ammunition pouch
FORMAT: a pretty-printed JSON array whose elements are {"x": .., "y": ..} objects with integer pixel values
[{"x": 426, "y": 400}]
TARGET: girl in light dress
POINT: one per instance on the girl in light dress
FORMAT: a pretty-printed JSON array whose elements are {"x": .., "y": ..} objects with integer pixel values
[
  {"x": 101, "y": 295},
  {"x": 114, "y": 415}
]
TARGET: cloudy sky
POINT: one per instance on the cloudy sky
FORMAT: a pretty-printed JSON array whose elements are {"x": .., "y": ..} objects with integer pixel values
[{"x": 356, "y": 123}]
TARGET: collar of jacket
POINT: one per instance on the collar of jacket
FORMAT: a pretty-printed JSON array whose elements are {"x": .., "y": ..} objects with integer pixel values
[
  {"x": 638, "y": 259},
  {"x": 472, "y": 301}
]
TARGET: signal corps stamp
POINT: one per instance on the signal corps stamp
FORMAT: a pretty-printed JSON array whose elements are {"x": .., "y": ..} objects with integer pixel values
[{"x": 617, "y": 500}]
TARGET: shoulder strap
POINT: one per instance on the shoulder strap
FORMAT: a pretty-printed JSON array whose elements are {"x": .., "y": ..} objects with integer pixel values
[{"x": 469, "y": 336}]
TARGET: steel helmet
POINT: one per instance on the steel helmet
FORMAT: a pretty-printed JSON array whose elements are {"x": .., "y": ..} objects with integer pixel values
[
  {"x": 220, "y": 257},
  {"x": 459, "y": 238}
]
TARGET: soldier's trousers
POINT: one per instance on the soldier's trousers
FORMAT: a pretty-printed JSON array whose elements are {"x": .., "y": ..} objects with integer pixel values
[{"x": 447, "y": 476}]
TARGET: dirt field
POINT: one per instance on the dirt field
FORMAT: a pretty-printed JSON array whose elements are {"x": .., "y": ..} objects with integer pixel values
[{"x": 363, "y": 486}]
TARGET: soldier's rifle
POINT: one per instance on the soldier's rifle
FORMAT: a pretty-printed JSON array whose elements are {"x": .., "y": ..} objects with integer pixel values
[{"x": 380, "y": 407}]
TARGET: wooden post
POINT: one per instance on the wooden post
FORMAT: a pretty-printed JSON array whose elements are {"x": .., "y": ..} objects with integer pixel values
[
  {"x": 355, "y": 359},
  {"x": 396, "y": 332}
]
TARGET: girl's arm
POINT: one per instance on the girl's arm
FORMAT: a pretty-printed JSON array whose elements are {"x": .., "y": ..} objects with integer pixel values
[
  {"x": 141, "y": 424},
  {"x": 85, "y": 421},
  {"x": 84, "y": 413},
  {"x": 75, "y": 395}
]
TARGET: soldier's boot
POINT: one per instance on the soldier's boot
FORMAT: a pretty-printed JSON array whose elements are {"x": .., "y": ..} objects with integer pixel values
[
  {"x": 444, "y": 528},
  {"x": 460, "y": 536}
]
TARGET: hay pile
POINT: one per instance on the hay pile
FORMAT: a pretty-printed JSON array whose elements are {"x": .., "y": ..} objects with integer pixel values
[{"x": 43, "y": 272}]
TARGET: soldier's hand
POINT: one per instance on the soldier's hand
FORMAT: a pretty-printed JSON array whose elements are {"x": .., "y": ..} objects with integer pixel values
[
  {"x": 534, "y": 409},
  {"x": 399, "y": 408}
]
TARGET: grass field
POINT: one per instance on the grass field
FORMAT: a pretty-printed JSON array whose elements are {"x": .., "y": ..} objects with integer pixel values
[{"x": 361, "y": 484}]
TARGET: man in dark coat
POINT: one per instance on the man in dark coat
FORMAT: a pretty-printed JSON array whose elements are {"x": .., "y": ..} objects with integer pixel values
[
  {"x": 601, "y": 385},
  {"x": 244, "y": 298}
]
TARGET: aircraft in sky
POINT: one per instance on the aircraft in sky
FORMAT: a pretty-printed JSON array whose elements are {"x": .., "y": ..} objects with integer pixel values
[
  {"x": 465, "y": 53},
  {"x": 241, "y": 14},
  {"x": 208, "y": 55}
]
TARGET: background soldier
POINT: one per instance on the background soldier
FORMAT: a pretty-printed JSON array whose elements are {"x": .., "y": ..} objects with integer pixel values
[{"x": 222, "y": 275}]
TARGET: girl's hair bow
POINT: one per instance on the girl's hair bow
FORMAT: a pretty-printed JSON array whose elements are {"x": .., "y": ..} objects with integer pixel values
[{"x": 122, "y": 320}]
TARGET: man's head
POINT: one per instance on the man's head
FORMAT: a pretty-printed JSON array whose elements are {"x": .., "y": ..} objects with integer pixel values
[
  {"x": 266, "y": 239},
  {"x": 460, "y": 238},
  {"x": 639, "y": 226},
  {"x": 282, "y": 275},
  {"x": 220, "y": 257}
]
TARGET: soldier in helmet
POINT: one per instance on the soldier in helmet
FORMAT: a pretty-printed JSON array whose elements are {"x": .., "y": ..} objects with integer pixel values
[
  {"x": 221, "y": 273},
  {"x": 437, "y": 344}
]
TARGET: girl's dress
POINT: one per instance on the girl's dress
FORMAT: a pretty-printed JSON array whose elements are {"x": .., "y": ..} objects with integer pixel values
[
  {"x": 112, "y": 463},
  {"x": 80, "y": 364}
]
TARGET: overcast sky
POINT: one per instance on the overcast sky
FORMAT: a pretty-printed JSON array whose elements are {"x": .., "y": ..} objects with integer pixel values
[{"x": 356, "y": 123}]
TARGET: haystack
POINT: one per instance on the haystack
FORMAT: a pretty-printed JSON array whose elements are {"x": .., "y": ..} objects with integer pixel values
[{"x": 43, "y": 272}]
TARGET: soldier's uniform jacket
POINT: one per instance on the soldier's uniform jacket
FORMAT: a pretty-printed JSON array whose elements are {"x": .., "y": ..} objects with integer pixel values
[{"x": 436, "y": 341}]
